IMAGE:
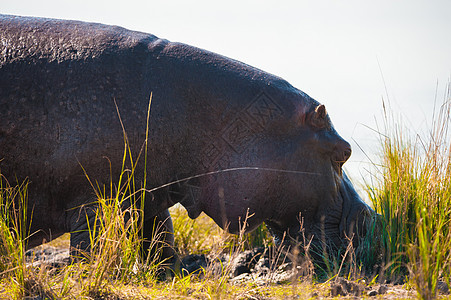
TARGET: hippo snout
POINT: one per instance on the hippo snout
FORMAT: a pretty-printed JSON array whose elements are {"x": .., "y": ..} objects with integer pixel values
[{"x": 342, "y": 152}]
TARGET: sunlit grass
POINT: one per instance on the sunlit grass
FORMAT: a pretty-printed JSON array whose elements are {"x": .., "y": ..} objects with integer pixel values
[
  {"x": 413, "y": 195},
  {"x": 202, "y": 235},
  {"x": 13, "y": 235}
]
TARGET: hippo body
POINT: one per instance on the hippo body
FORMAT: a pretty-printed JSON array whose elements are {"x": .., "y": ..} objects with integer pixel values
[{"x": 69, "y": 90}]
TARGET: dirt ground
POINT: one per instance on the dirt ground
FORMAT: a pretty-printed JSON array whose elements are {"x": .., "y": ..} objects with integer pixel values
[{"x": 255, "y": 266}]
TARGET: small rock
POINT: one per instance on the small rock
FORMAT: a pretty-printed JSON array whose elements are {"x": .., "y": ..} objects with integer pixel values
[
  {"x": 263, "y": 266},
  {"x": 286, "y": 266},
  {"x": 241, "y": 269},
  {"x": 49, "y": 251},
  {"x": 245, "y": 261},
  {"x": 243, "y": 278},
  {"x": 337, "y": 290},
  {"x": 443, "y": 288},
  {"x": 343, "y": 287},
  {"x": 382, "y": 289},
  {"x": 194, "y": 263}
]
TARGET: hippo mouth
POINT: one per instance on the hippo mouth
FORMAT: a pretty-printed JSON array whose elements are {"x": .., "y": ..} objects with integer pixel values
[{"x": 338, "y": 166}]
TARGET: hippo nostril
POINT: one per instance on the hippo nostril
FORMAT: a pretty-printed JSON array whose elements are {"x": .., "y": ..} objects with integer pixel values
[
  {"x": 346, "y": 154},
  {"x": 342, "y": 154}
]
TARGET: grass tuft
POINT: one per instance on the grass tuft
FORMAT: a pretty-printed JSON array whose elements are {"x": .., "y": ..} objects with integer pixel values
[
  {"x": 13, "y": 235},
  {"x": 412, "y": 194}
]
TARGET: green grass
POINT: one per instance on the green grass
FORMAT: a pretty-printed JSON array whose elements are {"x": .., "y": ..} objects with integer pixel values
[
  {"x": 13, "y": 235},
  {"x": 412, "y": 193}
]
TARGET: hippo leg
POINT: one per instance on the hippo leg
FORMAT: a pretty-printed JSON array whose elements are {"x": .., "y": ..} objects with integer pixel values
[
  {"x": 158, "y": 234},
  {"x": 278, "y": 234}
]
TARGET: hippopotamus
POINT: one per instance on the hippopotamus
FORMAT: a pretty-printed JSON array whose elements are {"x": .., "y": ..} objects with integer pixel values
[{"x": 224, "y": 138}]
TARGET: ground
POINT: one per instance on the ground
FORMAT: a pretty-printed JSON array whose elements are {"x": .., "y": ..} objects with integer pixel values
[{"x": 251, "y": 274}]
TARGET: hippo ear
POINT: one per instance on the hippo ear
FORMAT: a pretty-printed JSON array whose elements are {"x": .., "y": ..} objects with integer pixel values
[
  {"x": 320, "y": 111},
  {"x": 318, "y": 117}
]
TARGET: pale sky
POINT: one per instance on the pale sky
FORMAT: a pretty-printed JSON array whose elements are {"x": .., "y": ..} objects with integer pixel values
[{"x": 338, "y": 52}]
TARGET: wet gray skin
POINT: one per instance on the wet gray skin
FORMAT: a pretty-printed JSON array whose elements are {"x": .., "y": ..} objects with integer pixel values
[{"x": 62, "y": 84}]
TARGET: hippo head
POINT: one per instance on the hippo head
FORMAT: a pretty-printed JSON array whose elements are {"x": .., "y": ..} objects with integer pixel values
[{"x": 290, "y": 173}]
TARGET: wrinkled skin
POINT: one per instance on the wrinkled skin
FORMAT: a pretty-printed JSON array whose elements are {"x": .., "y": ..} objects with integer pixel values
[{"x": 60, "y": 83}]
